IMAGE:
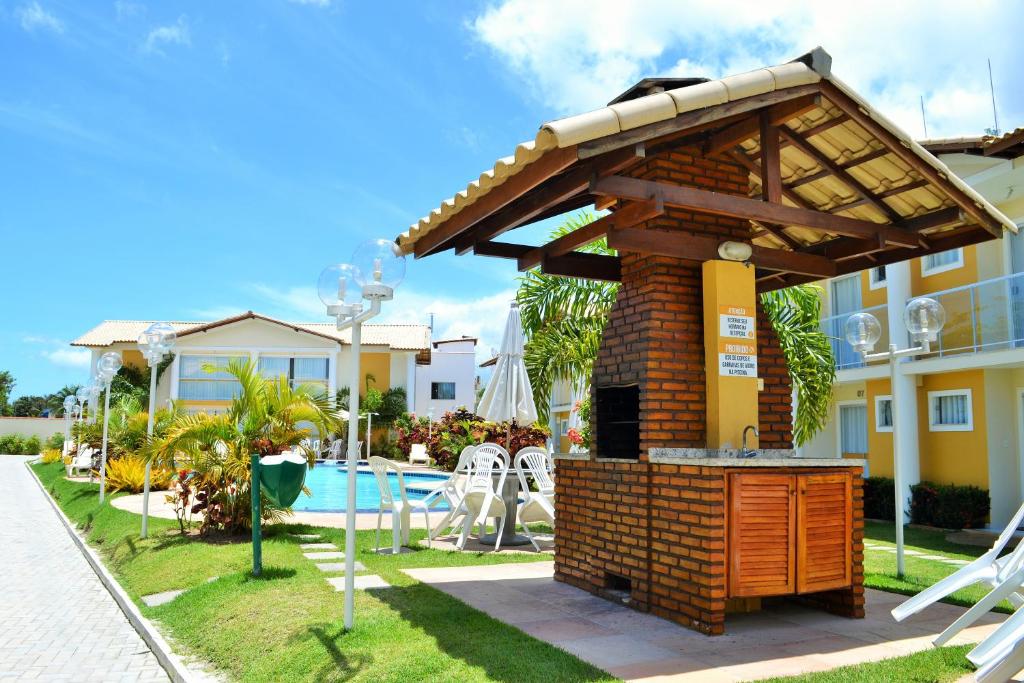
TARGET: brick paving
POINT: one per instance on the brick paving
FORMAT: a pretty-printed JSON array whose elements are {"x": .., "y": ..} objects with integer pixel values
[{"x": 57, "y": 621}]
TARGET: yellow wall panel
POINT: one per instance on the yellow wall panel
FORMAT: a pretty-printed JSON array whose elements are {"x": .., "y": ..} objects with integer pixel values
[
  {"x": 871, "y": 297},
  {"x": 957, "y": 277},
  {"x": 954, "y": 457},
  {"x": 378, "y": 365},
  {"x": 879, "y": 443}
]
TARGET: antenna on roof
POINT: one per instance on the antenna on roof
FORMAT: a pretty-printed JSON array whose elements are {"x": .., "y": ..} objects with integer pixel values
[
  {"x": 924, "y": 119},
  {"x": 992, "y": 89},
  {"x": 431, "y": 314}
]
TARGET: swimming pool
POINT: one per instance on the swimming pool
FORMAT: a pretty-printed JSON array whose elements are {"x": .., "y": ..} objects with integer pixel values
[{"x": 328, "y": 484}]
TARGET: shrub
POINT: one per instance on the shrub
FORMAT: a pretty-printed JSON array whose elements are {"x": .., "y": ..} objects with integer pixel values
[
  {"x": 31, "y": 446},
  {"x": 879, "y": 498},
  {"x": 949, "y": 506},
  {"x": 128, "y": 473},
  {"x": 12, "y": 444},
  {"x": 56, "y": 441},
  {"x": 51, "y": 455},
  {"x": 456, "y": 430}
]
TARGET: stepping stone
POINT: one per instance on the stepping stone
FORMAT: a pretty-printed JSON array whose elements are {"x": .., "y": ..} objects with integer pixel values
[
  {"x": 912, "y": 553},
  {"x": 306, "y": 537},
  {"x": 940, "y": 558},
  {"x": 338, "y": 566},
  {"x": 318, "y": 546},
  {"x": 324, "y": 556},
  {"x": 160, "y": 598},
  {"x": 362, "y": 582}
]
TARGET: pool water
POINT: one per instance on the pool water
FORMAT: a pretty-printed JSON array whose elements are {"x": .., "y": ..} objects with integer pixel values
[{"x": 328, "y": 484}]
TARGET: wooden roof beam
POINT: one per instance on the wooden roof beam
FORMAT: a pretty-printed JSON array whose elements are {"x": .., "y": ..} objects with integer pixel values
[
  {"x": 750, "y": 209},
  {"x": 776, "y": 115},
  {"x": 629, "y": 215},
  {"x": 903, "y": 151},
  {"x": 839, "y": 172},
  {"x": 824, "y": 173},
  {"x": 559, "y": 190},
  {"x": 583, "y": 265},
  {"x": 501, "y": 249},
  {"x": 697, "y": 248}
]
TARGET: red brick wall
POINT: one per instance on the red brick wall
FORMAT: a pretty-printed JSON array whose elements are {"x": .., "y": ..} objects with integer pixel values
[{"x": 775, "y": 402}]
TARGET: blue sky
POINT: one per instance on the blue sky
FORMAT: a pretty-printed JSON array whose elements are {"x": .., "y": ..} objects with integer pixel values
[{"x": 190, "y": 160}]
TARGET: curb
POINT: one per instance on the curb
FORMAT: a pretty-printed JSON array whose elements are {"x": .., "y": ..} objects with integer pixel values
[{"x": 171, "y": 663}]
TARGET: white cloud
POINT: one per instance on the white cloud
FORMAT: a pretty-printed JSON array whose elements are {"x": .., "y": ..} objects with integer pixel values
[
  {"x": 126, "y": 9},
  {"x": 32, "y": 16},
  {"x": 296, "y": 303},
  {"x": 72, "y": 358},
  {"x": 172, "y": 34},
  {"x": 312, "y": 3},
  {"x": 577, "y": 54}
]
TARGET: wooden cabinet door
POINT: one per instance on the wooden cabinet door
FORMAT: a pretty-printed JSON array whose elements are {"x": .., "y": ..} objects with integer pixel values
[
  {"x": 762, "y": 534},
  {"x": 824, "y": 537}
]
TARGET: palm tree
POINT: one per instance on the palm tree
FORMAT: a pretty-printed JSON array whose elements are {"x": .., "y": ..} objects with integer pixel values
[
  {"x": 263, "y": 418},
  {"x": 565, "y": 317}
]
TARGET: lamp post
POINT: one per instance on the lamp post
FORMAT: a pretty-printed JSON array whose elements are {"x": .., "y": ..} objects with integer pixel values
[
  {"x": 107, "y": 366},
  {"x": 369, "y": 432},
  {"x": 924, "y": 319},
  {"x": 377, "y": 268},
  {"x": 94, "y": 390},
  {"x": 155, "y": 342},
  {"x": 70, "y": 402},
  {"x": 81, "y": 396}
]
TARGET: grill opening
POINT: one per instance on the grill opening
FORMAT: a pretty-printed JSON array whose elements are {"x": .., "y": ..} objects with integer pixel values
[
  {"x": 617, "y": 422},
  {"x": 617, "y": 587}
]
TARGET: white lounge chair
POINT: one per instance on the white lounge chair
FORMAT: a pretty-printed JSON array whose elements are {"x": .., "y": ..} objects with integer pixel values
[
  {"x": 400, "y": 509},
  {"x": 538, "y": 506},
  {"x": 82, "y": 462},
  {"x": 418, "y": 453},
  {"x": 1009, "y": 585},
  {"x": 483, "y": 494},
  {"x": 1002, "y": 668},
  {"x": 989, "y": 568}
]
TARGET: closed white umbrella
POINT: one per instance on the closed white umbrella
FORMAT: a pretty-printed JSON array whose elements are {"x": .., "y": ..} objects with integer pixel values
[
  {"x": 507, "y": 398},
  {"x": 508, "y": 395}
]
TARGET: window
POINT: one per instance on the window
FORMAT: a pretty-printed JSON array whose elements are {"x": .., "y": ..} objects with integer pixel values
[
  {"x": 195, "y": 384},
  {"x": 563, "y": 426},
  {"x": 941, "y": 262},
  {"x": 876, "y": 277},
  {"x": 950, "y": 411},
  {"x": 853, "y": 429},
  {"x": 883, "y": 413},
  {"x": 846, "y": 295},
  {"x": 299, "y": 371},
  {"x": 443, "y": 391}
]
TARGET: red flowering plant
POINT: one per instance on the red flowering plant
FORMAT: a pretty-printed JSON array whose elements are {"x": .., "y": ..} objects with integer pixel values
[{"x": 446, "y": 438}]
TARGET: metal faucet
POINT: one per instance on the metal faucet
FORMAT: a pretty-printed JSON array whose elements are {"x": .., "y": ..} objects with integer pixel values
[{"x": 744, "y": 451}]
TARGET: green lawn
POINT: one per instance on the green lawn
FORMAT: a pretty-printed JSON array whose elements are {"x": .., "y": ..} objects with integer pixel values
[{"x": 287, "y": 625}]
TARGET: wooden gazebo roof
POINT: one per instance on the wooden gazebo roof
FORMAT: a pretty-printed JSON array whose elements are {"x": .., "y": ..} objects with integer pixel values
[{"x": 835, "y": 187}]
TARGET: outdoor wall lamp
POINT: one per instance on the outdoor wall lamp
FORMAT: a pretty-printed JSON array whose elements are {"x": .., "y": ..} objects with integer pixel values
[
  {"x": 106, "y": 367},
  {"x": 155, "y": 342},
  {"x": 377, "y": 268},
  {"x": 924, "y": 319},
  {"x": 735, "y": 251}
]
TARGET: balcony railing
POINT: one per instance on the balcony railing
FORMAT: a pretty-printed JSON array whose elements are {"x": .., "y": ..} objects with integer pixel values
[
  {"x": 835, "y": 327},
  {"x": 983, "y": 316}
]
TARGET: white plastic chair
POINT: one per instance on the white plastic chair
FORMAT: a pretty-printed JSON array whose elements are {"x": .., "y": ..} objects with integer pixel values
[
  {"x": 985, "y": 569},
  {"x": 400, "y": 509},
  {"x": 483, "y": 494},
  {"x": 336, "y": 450},
  {"x": 1000, "y": 669},
  {"x": 453, "y": 490},
  {"x": 538, "y": 506},
  {"x": 418, "y": 453}
]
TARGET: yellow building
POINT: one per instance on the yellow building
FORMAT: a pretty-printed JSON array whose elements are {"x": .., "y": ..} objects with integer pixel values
[
  {"x": 966, "y": 422},
  {"x": 306, "y": 353}
]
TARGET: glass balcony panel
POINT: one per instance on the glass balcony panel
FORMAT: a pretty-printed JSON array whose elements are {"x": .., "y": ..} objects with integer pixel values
[{"x": 985, "y": 316}]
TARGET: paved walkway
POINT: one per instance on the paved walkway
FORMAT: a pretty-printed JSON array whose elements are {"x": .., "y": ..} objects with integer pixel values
[
  {"x": 781, "y": 640},
  {"x": 57, "y": 621}
]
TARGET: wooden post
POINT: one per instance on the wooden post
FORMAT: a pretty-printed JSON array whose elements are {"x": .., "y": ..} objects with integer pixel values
[
  {"x": 257, "y": 535},
  {"x": 730, "y": 352}
]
